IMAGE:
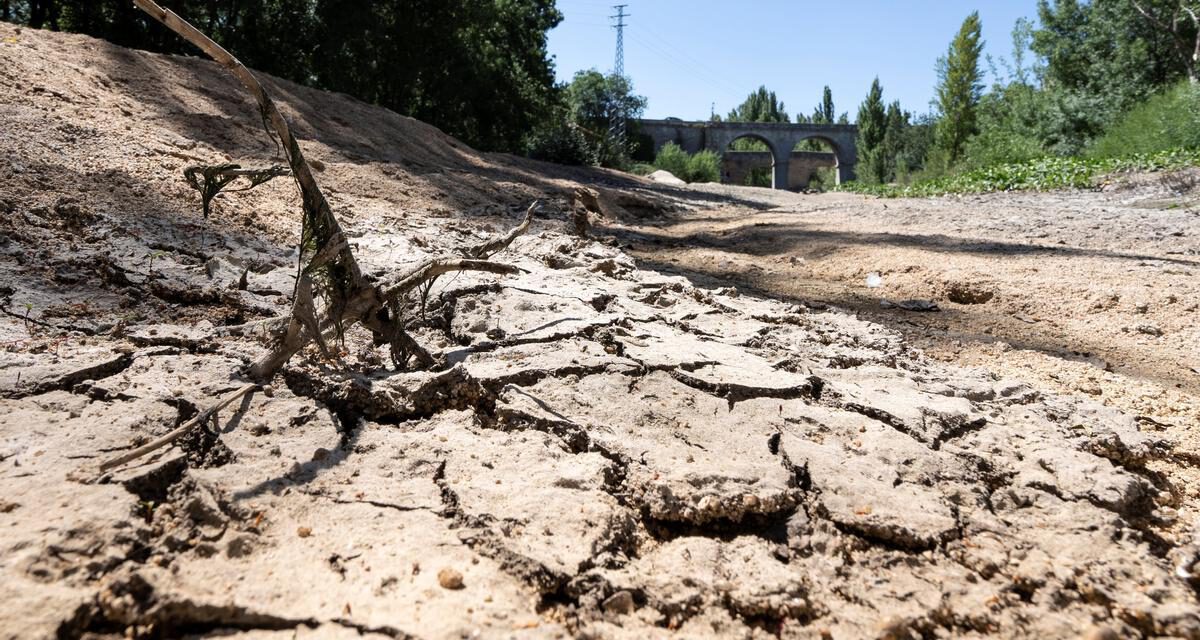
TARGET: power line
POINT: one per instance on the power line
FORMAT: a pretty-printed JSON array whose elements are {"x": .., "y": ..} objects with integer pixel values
[
  {"x": 667, "y": 44},
  {"x": 713, "y": 81}
]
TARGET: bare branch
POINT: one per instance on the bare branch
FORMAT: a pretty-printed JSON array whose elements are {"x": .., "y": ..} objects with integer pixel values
[
  {"x": 326, "y": 257},
  {"x": 434, "y": 268},
  {"x": 500, "y": 243},
  {"x": 1181, "y": 46},
  {"x": 202, "y": 417}
]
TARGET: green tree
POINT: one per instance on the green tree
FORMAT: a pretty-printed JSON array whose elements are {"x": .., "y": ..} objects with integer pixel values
[
  {"x": 872, "y": 127},
  {"x": 959, "y": 90},
  {"x": 892, "y": 147},
  {"x": 594, "y": 100},
  {"x": 1102, "y": 58},
  {"x": 477, "y": 69},
  {"x": 760, "y": 106},
  {"x": 824, "y": 113}
]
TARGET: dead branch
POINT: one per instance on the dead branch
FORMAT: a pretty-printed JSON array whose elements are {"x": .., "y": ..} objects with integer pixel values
[
  {"x": 327, "y": 264},
  {"x": 500, "y": 243},
  {"x": 201, "y": 418},
  {"x": 1190, "y": 59}
]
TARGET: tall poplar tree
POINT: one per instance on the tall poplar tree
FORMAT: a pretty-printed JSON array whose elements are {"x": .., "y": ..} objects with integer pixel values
[
  {"x": 760, "y": 106},
  {"x": 872, "y": 126},
  {"x": 959, "y": 90},
  {"x": 824, "y": 112}
]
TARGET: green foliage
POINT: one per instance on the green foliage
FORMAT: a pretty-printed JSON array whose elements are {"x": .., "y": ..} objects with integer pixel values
[
  {"x": 561, "y": 141},
  {"x": 577, "y": 132},
  {"x": 1013, "y": 121},
  {"x": 1167, "y": 120},
  {"x": 872, "y": 128},
  {"x": 959, "y": 89},
  {"x": 594, "y": 100},
  {"x": 1043, "y": 174},
  {"x": 824, "y": 113},
  {"x": 759, "y": 106},
  {"x": 701, "y": 167},
  {"x": 1107, "y": 56},
  {"x": 671, "y": 157},
  {"x": 478, "y": 70},
  {"x": 704, "y": 167}
]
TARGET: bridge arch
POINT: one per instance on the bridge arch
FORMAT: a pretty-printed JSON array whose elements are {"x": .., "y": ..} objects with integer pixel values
[
  {"x": 739, "y": 163},
  {"x": 814, "y": 157}
]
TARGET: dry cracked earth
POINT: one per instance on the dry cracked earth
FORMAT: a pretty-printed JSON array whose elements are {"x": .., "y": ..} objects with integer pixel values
[{"x": 603, "y": 451}]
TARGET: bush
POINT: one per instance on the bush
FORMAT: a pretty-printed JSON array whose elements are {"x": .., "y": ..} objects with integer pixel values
[
  {"x": 641, "y": 169},
  {"x": 703, "y": 167},
  {"x": 562, "y": 142},
  {"x": 1166, "y": 121},
  {"x": 674, "y": 159},
  {"x": 1043, "y": 174}
]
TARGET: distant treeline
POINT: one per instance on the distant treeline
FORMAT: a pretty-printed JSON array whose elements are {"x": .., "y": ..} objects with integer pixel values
[
  {"x": 477, "y": 69},
  {"x": 1098, "y": 80}
]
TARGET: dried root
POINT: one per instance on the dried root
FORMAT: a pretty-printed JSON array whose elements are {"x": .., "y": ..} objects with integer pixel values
[{"x": 328, "y": 269}]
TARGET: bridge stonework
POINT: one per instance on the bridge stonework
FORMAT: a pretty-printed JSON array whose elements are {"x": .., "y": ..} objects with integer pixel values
[{"x": 780, "y": 138}]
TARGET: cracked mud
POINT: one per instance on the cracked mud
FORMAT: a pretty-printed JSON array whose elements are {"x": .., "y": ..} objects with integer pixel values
[{"x": 603, "y": 451}]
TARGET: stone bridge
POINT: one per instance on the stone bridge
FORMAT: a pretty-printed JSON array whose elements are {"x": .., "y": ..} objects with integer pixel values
[{"x": 779, "y": 137}]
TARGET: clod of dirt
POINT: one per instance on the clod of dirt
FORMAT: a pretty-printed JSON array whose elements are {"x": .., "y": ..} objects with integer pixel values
[{"x": 450, "y": 578}]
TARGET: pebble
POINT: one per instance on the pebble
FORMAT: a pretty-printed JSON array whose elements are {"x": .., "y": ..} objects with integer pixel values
[
  {"x": 450, "y": 579},
  {"x": 620, "y": 603}
]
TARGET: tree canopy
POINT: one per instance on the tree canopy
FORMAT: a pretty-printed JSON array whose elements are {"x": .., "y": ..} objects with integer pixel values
[
  {"x": 760, "y": 106},
  {"x": 477, "y": 69},
  {"x": 959, "y": 89}
]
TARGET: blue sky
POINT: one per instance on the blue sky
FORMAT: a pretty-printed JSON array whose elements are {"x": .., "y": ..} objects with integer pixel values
[{"x": 683, "y": 56}]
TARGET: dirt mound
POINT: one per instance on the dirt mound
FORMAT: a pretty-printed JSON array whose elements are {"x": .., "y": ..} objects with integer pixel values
[{"x": 604, "y": 451}]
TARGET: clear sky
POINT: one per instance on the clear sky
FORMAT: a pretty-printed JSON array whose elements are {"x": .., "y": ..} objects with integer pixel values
[{"x": 685, "y": 55}]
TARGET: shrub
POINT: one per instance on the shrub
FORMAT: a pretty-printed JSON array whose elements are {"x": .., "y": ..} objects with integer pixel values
[
  {"x": 561, "y": 142},
  {"x": 672, "y": 158},
  {"x": 1043, "y": 174},
  {"x": 703, "y": 167},
  {"x": 1166, "y": 121}
]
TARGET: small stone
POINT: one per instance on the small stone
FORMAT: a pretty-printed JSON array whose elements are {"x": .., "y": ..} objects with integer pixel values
[
  {"x": 620, "y": 603},
  {"x": 320, "y": 454},
  {"x": 450, "y": 579},
  {"x": 1149, "y": 329},
  {"x": 303, "y": 532}
]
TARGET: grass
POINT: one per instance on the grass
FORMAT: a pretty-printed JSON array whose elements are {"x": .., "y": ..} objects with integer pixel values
[
  {"x": 1043, "y": 174},
  {"x": 1167, "y": 120}
]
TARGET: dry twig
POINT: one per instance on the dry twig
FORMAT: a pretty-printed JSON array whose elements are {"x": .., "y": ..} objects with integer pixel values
[
  {"x": 204, "y": 416},
  {"x": 328, "y": 267}
]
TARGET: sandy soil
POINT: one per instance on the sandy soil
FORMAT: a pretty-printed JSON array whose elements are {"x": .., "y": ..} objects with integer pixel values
[{"x": 603, "y": 449}]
